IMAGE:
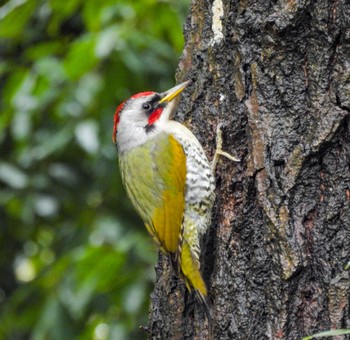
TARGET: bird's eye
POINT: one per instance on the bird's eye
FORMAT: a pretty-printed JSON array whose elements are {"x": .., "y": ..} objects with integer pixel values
[{"x": 146, "y": 106}]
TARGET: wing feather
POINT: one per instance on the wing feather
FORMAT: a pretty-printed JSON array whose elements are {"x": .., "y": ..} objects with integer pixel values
[
  {"x": 155, "y": 178},
  {"x": 167, "y": 218}
]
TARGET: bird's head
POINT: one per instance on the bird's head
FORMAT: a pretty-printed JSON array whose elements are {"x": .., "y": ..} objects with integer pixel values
[{"x": 141, "y": 116}]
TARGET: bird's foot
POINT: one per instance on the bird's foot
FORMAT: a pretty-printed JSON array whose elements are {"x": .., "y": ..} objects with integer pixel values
[{"x": 219, "y": 152}]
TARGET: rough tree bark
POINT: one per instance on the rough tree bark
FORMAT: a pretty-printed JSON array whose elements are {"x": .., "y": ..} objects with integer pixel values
[{"x": 277, "y": 74}]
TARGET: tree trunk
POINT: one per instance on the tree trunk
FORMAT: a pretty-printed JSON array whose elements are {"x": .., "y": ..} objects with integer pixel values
[{"x": 276, "y": 73}]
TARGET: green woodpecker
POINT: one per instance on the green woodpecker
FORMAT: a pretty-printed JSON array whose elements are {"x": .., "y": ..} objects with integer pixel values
[{"x": 167, "y": 177}]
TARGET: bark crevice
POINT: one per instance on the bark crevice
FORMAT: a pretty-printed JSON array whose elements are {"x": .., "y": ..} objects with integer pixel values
[{"x": 279, "y": 80}]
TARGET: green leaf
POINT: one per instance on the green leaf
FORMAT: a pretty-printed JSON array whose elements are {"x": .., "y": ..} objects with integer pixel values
[
  {"x": 334, "y": 332},
  {"x": 13, "y": 176},
  {"x": 44, "y": 49},
  {"x": 86, "y": 134},
  {"x": 60, "y": 10},
  {"x": 109, "y": 40},
  {"x": 81, "y": 58},
  {"x": 54, "y": 322},
  {"x": 14, "y": 16}
]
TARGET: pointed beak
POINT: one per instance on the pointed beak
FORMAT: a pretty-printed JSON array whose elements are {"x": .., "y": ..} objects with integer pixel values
[{"x": 169, "y": 95}]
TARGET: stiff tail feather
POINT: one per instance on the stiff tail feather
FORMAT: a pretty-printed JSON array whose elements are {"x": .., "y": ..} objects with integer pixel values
[
  {"x": 204, "y": 300},
  {"x": 189, "y": 265}
]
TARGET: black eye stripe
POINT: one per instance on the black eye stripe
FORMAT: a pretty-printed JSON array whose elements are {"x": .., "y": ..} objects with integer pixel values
[
  {"x": 155, "y": 98},
  {"x": 150, "y": 105}
]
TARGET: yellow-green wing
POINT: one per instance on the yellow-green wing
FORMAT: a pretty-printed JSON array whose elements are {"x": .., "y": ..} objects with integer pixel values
[{"x": 154, "y": 175}]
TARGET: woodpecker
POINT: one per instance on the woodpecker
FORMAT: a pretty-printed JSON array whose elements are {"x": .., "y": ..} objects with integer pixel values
[{"x": 168, "y": 179}]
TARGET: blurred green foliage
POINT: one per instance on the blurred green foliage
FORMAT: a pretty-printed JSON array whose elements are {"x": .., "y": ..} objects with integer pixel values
[{"x": 75, "y": 261}]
